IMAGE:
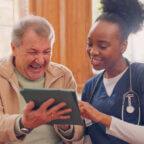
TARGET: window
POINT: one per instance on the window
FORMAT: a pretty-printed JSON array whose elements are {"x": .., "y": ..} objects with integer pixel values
[{"x": 9, "y": 14}]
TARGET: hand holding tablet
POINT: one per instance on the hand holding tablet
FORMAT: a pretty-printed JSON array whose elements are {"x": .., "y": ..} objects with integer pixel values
[{"x": 39, "y": 96}]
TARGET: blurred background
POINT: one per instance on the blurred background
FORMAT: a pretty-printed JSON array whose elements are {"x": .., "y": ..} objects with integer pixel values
[{"x": 71, "y": 20}]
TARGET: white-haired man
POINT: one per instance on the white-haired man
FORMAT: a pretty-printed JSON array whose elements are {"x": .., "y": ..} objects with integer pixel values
[{"x": 30, "y": 66}]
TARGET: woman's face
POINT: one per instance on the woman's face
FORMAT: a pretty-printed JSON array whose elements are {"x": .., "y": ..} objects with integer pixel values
[{"x": 105, "y": 46}]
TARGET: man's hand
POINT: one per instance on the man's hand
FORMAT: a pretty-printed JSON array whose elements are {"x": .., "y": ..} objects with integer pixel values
[{"x": 34, "y": 118}]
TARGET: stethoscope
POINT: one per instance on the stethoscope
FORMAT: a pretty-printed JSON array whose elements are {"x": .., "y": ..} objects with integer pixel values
[{"x": 129, "y": 95}]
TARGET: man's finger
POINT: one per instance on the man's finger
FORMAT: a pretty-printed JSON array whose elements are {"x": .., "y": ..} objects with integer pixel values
[
  {"x": 47, "y": 104},
  {"x": 57, "y": 107},
  {"x": 64, "y": 117},
  {"x": 65, "y": 111},
  {"x": 29, "y": 107}
]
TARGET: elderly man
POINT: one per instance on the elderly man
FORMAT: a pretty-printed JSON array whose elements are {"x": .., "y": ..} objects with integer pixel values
[{"x": 30, "y": 66}]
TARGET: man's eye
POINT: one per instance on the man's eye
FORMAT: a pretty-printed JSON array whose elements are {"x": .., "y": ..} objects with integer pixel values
[
  {"x": 32, "y": 53},
  {"x": 89, "y": 44},
  {"x": 47, "y": 52}
]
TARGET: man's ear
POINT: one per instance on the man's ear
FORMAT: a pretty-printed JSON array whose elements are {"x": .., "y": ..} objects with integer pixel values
[
  {"x": 13, "y": 48},
  {"x": 124, "y": 46}
]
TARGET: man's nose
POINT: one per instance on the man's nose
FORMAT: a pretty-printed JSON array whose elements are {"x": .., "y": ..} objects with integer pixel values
[{"x": 40, "y": 59}]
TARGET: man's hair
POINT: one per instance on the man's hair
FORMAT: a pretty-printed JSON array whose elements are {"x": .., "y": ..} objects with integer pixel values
[{"x": 36, "y": 23}]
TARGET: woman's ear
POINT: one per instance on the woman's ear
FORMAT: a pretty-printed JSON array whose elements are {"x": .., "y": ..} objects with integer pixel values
[{"x": 124, "y": 46}]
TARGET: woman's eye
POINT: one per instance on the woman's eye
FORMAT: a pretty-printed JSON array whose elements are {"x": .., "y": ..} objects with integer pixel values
[{"x": 103, "y": 46}]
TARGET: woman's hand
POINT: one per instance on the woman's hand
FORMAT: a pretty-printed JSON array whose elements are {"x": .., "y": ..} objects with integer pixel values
[
  {"x": 89, "y": 112},
  {"x": 34, "y": 118}
]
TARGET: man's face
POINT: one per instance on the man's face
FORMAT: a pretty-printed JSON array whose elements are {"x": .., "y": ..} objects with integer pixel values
[{"x": 33, "y": 55}]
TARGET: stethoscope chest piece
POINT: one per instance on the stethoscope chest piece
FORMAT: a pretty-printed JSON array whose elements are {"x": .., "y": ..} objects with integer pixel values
[
  {"x": 129, "y": 106},
  {"x": 130, "y": 109}
]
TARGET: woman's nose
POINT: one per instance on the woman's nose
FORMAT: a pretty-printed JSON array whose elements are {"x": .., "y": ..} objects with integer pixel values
[{"x": 94, "y": 51}]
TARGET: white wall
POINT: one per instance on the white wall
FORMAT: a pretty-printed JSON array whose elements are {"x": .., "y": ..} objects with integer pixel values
[
  {"x": 9, "y": 14},
  {"x": 6, "y": 22}
]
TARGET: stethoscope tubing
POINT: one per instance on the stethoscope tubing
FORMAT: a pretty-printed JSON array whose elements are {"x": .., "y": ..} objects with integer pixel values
[
  {"x": 123, "y": 105},
  {"x": 124, "y": 95}
]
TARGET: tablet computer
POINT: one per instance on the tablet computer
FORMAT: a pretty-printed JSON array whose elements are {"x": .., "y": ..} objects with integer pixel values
[{"x": 38, "y": 96}]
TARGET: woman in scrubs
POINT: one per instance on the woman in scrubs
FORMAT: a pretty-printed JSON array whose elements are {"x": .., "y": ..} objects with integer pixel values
[{"x": 103, "y": 94}]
